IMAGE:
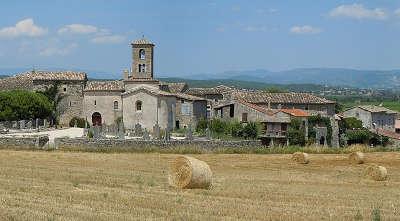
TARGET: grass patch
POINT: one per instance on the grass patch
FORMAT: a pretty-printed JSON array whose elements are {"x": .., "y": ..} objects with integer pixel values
[{"x": 238, "y": 150}]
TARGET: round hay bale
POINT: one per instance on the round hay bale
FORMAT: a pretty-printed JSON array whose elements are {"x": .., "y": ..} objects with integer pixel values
[
  {"x": 190, "y": 173},
  {"x": 300, "y": 157},
  {"x": 376, "y": 172},
  {"x": 356, "y": 158}
]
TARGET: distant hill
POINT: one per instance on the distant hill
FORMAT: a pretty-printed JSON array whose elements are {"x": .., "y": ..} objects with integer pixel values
[{"x": 319, "y": 76}]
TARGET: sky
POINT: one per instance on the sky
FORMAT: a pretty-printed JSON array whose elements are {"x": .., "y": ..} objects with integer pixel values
[{"x": 200, "y": 36}]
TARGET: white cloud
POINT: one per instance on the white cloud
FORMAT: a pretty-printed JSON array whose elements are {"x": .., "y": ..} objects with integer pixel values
[
  {"x": 255, "y": 28},
  {"x": 52, "y": 51},
  {"x": 108, "y": 39},
  {"x": 266, "y": 11},
  {"x": 25, "y": 27},
  {"x": 306, "y": 29},
  {"x": 358, "y": 11},
  {"x": 78, "y": 29}
]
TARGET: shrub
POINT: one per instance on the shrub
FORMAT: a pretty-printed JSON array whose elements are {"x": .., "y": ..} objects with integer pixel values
[
  {"x": 218, "y": 126},
  {"x": 236, "y": 129},
  {"x": 251, "y": 130},
  {"x": 80, "y": 122},
  {"x": 202, "y": 125},
  {"x": 358, "y": 136}
]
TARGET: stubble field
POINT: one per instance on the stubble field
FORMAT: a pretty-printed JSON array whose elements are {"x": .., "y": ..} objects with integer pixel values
[{"x": 133, "y": 186}]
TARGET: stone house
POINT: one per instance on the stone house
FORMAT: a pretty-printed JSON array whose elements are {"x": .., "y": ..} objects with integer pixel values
[
  {"x": 70, "y": 89},
  {"x": 373, "y": 117}
]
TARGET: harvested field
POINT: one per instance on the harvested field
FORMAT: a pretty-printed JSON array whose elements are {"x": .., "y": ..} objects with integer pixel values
[{"x": 134, "y": 186}]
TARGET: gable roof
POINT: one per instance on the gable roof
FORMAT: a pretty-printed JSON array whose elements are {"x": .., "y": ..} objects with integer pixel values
[
  {"x": 178, "y": 87},
  {"x": 152, "y": 90},
  {"x": 280, "y": 98},
  {"x": 26, "y": 80},
  {"x": 104, "y": 86},
  {"x": 376, "y": 109}
]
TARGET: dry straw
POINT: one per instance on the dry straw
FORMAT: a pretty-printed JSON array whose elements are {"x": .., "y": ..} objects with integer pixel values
[
  {"x": 189, "y": 173},
  {"x": 300, "y": 157},
  {"x": 376, "y": 172},
  {"x": 356, "y": 158}
]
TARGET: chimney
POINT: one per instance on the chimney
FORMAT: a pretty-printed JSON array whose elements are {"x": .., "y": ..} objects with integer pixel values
[
  {"x": 126, "y": 74},
  {"x": 269, "y": 105}
]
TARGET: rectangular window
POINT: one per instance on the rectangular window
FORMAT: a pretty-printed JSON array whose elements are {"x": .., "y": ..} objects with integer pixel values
[
  {"x": 185, "y": 109},
  {"x": 244, "y": 117}
]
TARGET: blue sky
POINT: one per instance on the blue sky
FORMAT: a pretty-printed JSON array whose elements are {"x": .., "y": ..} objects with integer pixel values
[{"x": 206, "y": 36}]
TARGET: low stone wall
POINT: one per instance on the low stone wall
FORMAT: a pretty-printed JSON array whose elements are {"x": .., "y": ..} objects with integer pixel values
[
  {"x": 38, "y": 142},
  {"x": 140, "y": 145}
]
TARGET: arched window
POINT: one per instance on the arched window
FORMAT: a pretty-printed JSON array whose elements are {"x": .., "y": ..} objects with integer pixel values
[
  {"x": 115, "y": 105},
  {"x": 142, "y": 54},
  {"x": 142, "y": 68},
  {"x": 138, "y": 105}
]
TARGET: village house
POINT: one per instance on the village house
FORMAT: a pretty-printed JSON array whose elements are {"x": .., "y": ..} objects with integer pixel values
[{"x": 373, "y": 117}]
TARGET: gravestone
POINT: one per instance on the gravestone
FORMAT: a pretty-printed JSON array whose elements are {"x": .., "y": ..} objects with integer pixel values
[
  {"x": 121, "y": 131},
  {"x": 45, "y": 123},
  {"x": 37, "y": 123},
  {"x": 189, "y": 133},
  {"x": 208, "y": 133},
  {"x": 14, "y": 124},
  {"x": 138, "y": 131},
  {"x": 167, "y": 135},
  {"x": 156, "y": 132},
  {"x": 29, "y": 124},
  {"x": 96, "y": 132},
  {"x": 22, "y": 124},
  {"x": 146, "y": 135}
]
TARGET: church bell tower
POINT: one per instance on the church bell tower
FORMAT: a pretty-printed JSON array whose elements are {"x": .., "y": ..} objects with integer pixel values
[{"x": 142, "y": 59}]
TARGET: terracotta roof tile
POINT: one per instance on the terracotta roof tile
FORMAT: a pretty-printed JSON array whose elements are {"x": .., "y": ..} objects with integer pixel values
[
  {"x": 376, "y": 109},
  {"x": 104, "y": 86},
  {"x": 296, "y": 112},
  {"x": 292, "y": 98}
]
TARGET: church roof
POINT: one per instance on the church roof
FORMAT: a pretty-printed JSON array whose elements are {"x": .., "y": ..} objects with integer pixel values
[
  {"x": 150, "y": 89},
  {"x": 142, "y": 41},
  {"x": 104, "y": 86}
]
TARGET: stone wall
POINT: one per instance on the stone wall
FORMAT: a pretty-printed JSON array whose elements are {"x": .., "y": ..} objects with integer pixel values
[
  {"x": 92, "y": 144},
  {"x": 39, "y": 142}
]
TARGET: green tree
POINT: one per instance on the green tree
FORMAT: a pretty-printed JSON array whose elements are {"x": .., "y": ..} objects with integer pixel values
[
  {"x": 19, "y": 104},
  {"x": 296, "y": 133}
]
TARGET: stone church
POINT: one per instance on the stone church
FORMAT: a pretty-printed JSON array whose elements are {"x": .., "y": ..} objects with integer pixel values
[{"x": 139, "y": 98}]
